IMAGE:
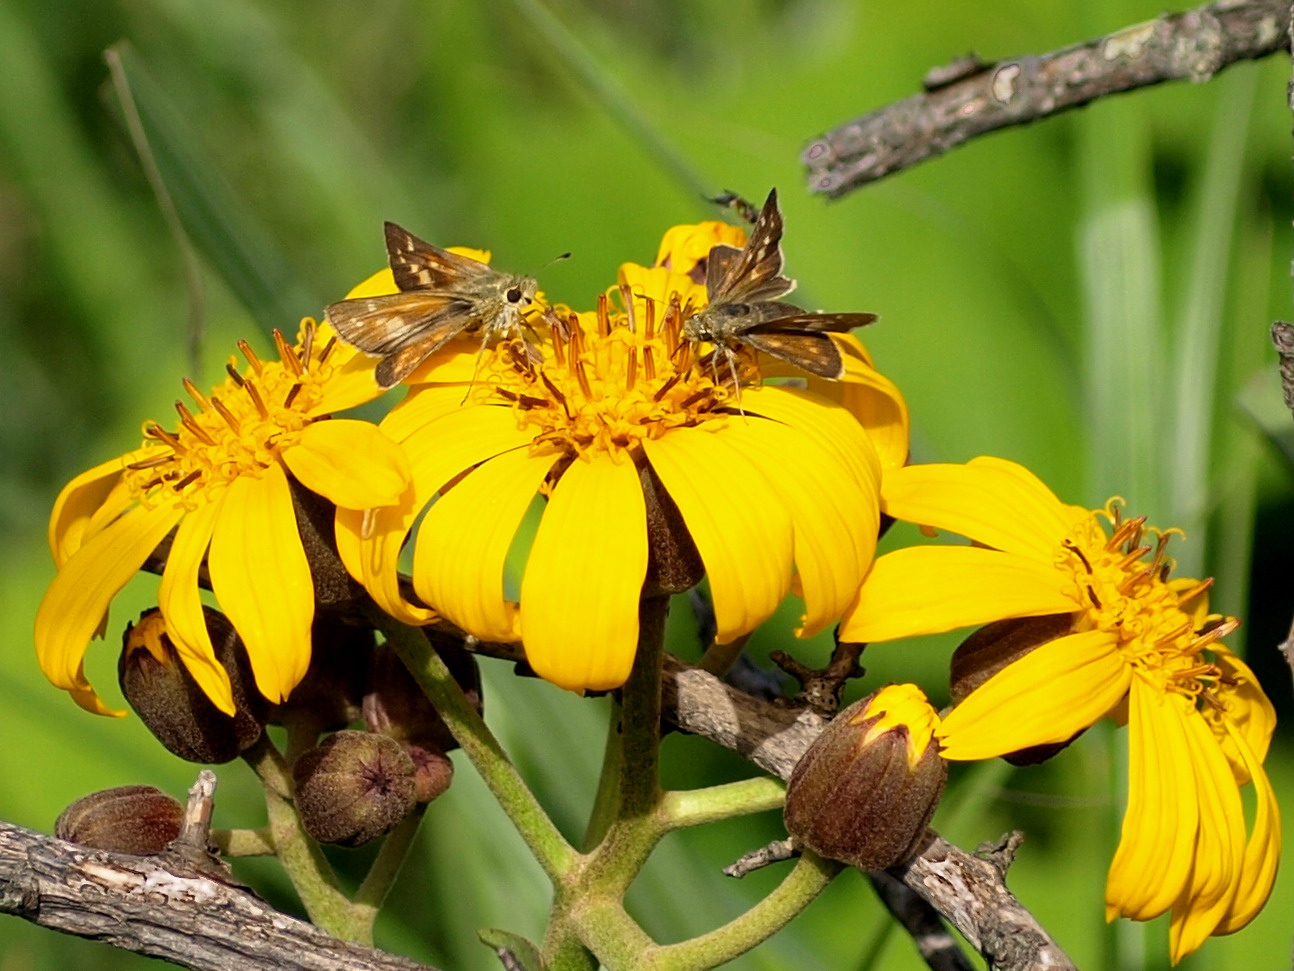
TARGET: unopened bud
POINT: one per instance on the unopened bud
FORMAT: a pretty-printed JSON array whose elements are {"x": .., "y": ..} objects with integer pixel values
[
  {"x": 170, "y": 702},
  {"x": 353, "y": 787},
  {"x": 995, "y": 646},
  {"x": 432, "y": 772},
  {"x": 866, "y": 789},
  {"x": 139, "y": 820}
]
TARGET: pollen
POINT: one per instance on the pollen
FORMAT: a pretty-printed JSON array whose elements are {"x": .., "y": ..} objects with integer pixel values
[
  {"x": 608, "y": 380},
  {"x": 240, "y": 428},
  {"x": 1121, "y": 575}
]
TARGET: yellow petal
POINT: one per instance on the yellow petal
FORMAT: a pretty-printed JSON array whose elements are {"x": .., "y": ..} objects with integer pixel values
[
  {"x": 930, "y": 589},
  {"x": 815, "y": 417},
  {"x": 590, "y": 550},
  {"x": 83, "y": 497},
  {"x": 1157, "y": 843},
  {"x": 1047, "y": 696},
  {"x": 438, "y": 449},
  {"x": 78, "y": 598},
  {"x": 351, "y": 463},
  {"x": 873, "y": 399},
  {"x": 738, "y": 522},
  {"x": 1263, "y": 852},
  {"x": 464, "y": 540},
  {"x": 380, "y": 283},
  {"x": 997, "y": 503},
  {"x": 1247, "y": 708},
  {"x": 181, "y": 604},
  {"x": 1219, "y": 843},
  {"x": 261, "y": 577},
  {"x": 834, "y": 516}
]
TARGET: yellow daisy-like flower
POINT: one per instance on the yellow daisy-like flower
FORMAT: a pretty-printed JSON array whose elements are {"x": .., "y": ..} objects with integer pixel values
[
  {"x": 221, "y": 482},
  {"x": 615, "y": 407},
  {"x": 1141, "y": 648}
]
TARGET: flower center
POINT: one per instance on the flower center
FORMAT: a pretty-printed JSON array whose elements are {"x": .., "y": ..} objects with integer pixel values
[
  {"x": 608, "y": 380},
  {"x": 1131, "y": 597},
  {"x": 240, "y": 429}
]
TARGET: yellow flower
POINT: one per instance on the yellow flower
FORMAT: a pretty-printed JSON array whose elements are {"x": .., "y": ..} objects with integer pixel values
[
  {"x": 1142, "y": 648},
  {"x": 614, "y": 404},
  {"x": 221, "y": 482}
]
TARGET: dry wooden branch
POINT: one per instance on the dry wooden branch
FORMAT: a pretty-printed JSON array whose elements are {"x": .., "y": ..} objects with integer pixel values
[
  {"x": 966, "y": 890},
  {"x": 165, "y": 911},
  {"x": 958, "y": 106}
]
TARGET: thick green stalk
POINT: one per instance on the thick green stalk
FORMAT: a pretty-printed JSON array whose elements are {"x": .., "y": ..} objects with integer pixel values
[
  {"x": 695, "y": 807},
  {"x": 810, "y": 876},
  {"x": 554, "y": 854},
  {"x": 386, "y": 866}
]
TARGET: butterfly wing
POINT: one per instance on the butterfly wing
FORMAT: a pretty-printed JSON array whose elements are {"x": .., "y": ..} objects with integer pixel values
[
  {"x": 418, "y": 265},
  {"x": 754, "y": 274},
  {"x": 387, "y": 324},
  {"x": 798, "y": 321},
  {"x": 807, "y": 350}
]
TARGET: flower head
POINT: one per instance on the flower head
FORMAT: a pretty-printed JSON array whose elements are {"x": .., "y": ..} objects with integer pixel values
[
  {"x": 219, "y": 486},
  {"x": 1140, "y": 646},
  {"x": 609, "y": 421}
]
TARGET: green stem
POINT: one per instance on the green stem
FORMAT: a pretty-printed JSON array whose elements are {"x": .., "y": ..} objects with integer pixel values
[
  {"x": 640, "y": 715},
  {"x": 302, "y": 859},
  {"x": 809, "y": 877},
  {"x": 694, "y": 807},
  {"x": 606, "y": 800},
  {"x": 386, "y": 866},
  {"x": 554, "y": 854},
  {"x": 243, "y": 842}
]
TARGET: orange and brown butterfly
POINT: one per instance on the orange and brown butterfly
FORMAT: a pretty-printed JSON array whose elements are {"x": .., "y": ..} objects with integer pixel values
[
  {"x": 744, "y": 289},
  {"x": 442, "y": 296}
]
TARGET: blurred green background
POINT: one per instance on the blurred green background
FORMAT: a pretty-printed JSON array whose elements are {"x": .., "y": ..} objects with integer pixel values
[{"x": 1090, "y": 296}]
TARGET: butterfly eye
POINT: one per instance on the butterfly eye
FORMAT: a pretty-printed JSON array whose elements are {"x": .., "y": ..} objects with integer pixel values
[{"x": 513, "y": 294}]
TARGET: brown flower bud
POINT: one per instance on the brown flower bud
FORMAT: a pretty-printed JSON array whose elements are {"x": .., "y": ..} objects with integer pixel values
[
  {"x": 432, "y": 772},
  {"x": 353, "y": 787},
  {"x": 328, "y": 697},
  {"x": 866, "y": 789},
  {"x": 139, "y": 820},
  {"x": 992, "y": 648},
  {"x": 170, "y": 702}
]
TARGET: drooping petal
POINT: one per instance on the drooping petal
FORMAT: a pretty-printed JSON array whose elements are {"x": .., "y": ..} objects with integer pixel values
[
  {"x": 1157, "y": 843},
  {"x": 261, "y": 577},
  {"x": 83, "y": 498},
  {"x": 1219, "y": 844},
  {"x": 181, "y": 605},
  {"x": 604, "y": 555},
  {"x": 351, "y": 463},
  {"x": 984, "y": 501},
  {"x": 464, "y": 540},
  {"x": 931, "y": 589},
  {"x": 814, "y": 417},
  {"x": 1263, "y": 852},
  {"x": 1248, "y": 710},
  {"x": 438, "y": 450},
  {"x": 1047, "y": 696},
  {"x": 77, "y": 600},
  {"x": 738, "y": 522},
  {"x": 835, "y": 517}
]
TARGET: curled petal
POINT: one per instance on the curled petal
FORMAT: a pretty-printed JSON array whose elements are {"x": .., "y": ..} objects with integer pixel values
[
  {"x": 1263, "y": 852},
  {"x": 84, "y": 498},
  {"x": 77, "y": 600},
  {"x": 593, "y": 647},
  {"x": 464, "y": 540}
]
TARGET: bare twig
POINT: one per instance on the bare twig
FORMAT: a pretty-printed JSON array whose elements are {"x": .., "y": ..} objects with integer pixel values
[
  {"x": 1193, "y": 45},
  {"x": 935, "y": 943},
  {"x": 774, "y": 852},
  {"x": 157, "y": 908},
  {"x": 967, "y": 891}
]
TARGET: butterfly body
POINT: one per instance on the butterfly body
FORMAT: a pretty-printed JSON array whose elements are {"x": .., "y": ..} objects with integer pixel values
[
  {"x": 744, "y": 289},
  {"x": 442, "y": 296}
]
